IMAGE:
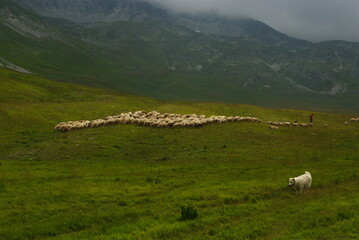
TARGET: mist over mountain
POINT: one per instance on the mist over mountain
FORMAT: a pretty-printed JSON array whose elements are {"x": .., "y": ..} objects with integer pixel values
[
  {"x": 95, "y": 10},
  {"x": 313, "y": 20},
  {"x": 138, "y": 47},
  {"x": 109, "y": 11}
]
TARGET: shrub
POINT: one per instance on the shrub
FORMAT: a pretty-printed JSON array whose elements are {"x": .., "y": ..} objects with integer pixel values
[
  {"x": 188, "y": 213},
  {"x": 122, "y": 203}
]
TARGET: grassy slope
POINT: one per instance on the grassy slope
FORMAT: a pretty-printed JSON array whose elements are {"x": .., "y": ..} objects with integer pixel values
[
  {"x": 127, "y": 62},
  {"x": 161, "y": 45},
  {"x": 97, "y": 183}
]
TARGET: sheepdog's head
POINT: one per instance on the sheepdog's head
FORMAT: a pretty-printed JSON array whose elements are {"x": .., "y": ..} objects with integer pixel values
[{"x": 291, "y": 182}]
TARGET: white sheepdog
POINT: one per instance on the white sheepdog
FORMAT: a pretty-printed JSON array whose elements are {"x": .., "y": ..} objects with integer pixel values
[{"x": 300, "y": 182}]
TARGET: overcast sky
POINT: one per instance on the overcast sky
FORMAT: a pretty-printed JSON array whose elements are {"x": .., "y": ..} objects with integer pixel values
[{"x": 313, "y": 20}]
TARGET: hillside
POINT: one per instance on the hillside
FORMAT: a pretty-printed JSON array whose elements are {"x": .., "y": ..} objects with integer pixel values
[
  {"x": 128, "y": 182},
  {"x": 142, "y": 49}
]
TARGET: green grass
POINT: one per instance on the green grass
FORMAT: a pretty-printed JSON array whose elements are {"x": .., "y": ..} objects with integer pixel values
[
  {"x": 130, "y": 182},
  {"x": 114, "y": 56}
]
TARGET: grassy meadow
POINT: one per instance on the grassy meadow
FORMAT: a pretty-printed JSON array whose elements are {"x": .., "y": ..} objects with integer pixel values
[{"x": 129, "y": 182}]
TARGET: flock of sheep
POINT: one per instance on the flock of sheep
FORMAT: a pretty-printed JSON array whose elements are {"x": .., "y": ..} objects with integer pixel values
[
  {"x": 288, "y": 124},
  {"x": 153, "y": 119},
  {"x": 156, "y": 119}
]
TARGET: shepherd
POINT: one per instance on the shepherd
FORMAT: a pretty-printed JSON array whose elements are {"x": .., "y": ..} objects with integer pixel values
[{"x": 311, "y": 118}]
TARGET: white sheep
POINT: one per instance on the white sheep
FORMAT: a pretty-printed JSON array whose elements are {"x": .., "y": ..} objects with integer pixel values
[
  {"x": 300, "y": 182},
  {"x": 153, "y": 118}
]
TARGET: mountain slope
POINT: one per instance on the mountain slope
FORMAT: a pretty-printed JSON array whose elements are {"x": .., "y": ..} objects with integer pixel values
[
  {"x": 243, "y": 28},
  {"x": 96, "y": 10},
  {"x": 136, "y": 47},
  {"x": 34, "y": 43}
]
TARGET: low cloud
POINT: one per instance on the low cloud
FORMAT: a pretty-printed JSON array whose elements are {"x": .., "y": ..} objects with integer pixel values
[{"x": 313, "y": 20}]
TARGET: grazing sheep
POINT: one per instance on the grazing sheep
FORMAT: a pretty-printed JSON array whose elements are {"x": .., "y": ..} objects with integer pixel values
[
  {"x": 287, "y": 124},
  {"x": 300, "y": 182},
  {"x": 162, "y": 124},
  {"x": 273, "y": 127},
  {"x": 153, "y": 118}
]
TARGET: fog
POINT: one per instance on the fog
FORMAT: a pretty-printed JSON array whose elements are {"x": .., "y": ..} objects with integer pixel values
[{"x": 313, "y": 20}]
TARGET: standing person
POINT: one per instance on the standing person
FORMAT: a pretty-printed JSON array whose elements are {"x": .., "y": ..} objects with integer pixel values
[{"x": 311, "y": 117}]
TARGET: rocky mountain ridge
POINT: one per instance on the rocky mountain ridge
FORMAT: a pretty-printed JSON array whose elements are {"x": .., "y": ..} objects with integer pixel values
[
  {"x": 86, "y": 11},
  {"x": 143, "y": 49}
]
